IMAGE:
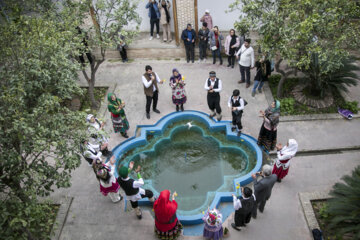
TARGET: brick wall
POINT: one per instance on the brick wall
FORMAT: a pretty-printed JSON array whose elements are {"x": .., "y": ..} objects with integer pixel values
[{"x": 185, "y": 14}]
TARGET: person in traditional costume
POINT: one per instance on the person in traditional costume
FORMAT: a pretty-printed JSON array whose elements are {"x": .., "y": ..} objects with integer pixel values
[
  {"x": 98, "y": 135},
  {"x": 284, "y": 155},
  {"x": 213, "y": 86},
  {"x": 243, "y": 208},
  {"x": 167, "y": 226},
  {"x": 108, "y": 183},
  {"x": 89, "y": 152},
  {"x": 150, "y": 81},
  {"x": 236, "y": 104},
  {"x": 132, "y": 188},
  {"x": 268, "y": 132},
  {"x": 213, "y": 224},
  {"x": 116, "y": 108},
  {"x": 177, "y": 85}
]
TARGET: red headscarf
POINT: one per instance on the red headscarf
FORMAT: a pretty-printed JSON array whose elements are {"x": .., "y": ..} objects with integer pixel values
[{"x": 164, "y": 212}]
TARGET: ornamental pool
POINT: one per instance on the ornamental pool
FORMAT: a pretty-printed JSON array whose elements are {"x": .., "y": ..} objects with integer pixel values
[{"x": 202, "y": 163}]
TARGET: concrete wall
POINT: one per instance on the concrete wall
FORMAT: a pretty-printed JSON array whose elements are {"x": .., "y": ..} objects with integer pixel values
[{"x": 225, "y": 21}]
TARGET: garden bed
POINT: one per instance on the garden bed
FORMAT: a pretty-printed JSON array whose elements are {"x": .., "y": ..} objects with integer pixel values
[
  {"x": 82, "y": 102},
  {"x": 291, "y": 107},
  {"x": 322, "y": 216}
]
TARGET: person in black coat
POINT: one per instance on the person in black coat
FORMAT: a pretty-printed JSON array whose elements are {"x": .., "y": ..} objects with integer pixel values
[
  {"x": 263, "y": 188},
  {"x": 189, "y": 36},
  {"x": 243, "y": 208},
  {"x": 263, "y": 72}
]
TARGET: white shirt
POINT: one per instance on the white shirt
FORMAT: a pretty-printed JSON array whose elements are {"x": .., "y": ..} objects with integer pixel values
[
  {"x": 237, "y": 202},
  {"x": 247, "y": 58},
  {"x": 239, "y": 108},
  {"x": 89, "y": 152},
  {"x": 212, "y": 83},
  {"x": 147, "y": 83},
  {"x": 136, "y": 184}
]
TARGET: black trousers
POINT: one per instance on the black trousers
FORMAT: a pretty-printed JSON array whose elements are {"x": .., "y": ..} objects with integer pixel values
[
  {"x": 148, "y": 194},
  {"x": 189, "y": 52},
  {"x": 123, "y": 54},
  {"x": 150, "y": 99},
  {"x": 259, "y": 204},
  {"x": 243, "y": 71},
  {"x": 152, "y": 22},
  {"x": 231, "y": 60},
  {"x": 236, "y": 119},
  {"x": 202, "y": 49},
  {"x": 89, "y": 160},
  {"x": 213, "y": 101}
]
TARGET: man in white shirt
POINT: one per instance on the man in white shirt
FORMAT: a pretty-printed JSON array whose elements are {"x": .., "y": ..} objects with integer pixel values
[
  {"x": 246, "y": 61},
  {"x": 236, "y": 104},
  {"x": 150, "y": 80},
  {"x": 213, "y": 86}
]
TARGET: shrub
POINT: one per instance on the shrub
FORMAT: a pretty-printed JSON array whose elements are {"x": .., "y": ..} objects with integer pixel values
[
  {"x": 352, "y": 106},
  {"x": 287, "y": 105}
]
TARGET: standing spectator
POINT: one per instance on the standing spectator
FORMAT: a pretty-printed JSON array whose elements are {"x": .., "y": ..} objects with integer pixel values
[
  {"x": 246, "y": 61},
  {"x": 263, "y": 72},
  {"x": 121, "y": 47},
  {"x": 207, "y": 18},
  {"x": 213, "y": 225},
  {"x": 203, "y": 43},
  {"x": 97, "y": 134},
  {"x": 236, "y": 104},
  {"x": 213, "y": 86},
  {"x": 268, "y": 132},
  {"x": 167, "y": 226},
  {"x": 150, "y": 80},
  {"x": 232, "y": 42},
  {"x": 215, "y": 39},
  {"x": 189, "y": 36},
  {"x": 284, "y": 155},
  {"x": 116, "y": 108},
  {"x": 243, "y": 208},
  {"x": 177, "y": 85},
  {"x": 263, "y": 188},
  {"x": 154, "y": 15},
  {"x": 132, "y": 188},
  {"x": 165, "y": 20}
]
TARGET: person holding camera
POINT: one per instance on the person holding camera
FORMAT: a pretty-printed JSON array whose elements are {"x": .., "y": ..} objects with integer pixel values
[
  {"x": 154, "y": 15},
  {"x": 243, "y": 207},
  {"x": 263, "y": 188},
  {"x": 236, "y": 104}
]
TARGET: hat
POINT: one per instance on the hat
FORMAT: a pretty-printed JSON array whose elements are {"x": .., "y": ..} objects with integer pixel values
[
  {"x": 212, "y": 74},
  {"x": 123, "y": 172},
  {"x": 207, "y": 11}
]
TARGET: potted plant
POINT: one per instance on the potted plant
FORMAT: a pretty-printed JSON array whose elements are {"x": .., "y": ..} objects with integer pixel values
[{"x": 226, "y": 232}]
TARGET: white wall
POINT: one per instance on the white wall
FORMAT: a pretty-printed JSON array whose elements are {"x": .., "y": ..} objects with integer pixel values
[{"x": 225, "y": 21}]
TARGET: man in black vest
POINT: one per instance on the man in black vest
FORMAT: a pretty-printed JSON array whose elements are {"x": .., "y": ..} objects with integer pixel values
[
  {"x": 263, "y": 188},
  {"x": 132, "y": 188},
  {"x": 236, "y": 104},
  {"x": 243, "y": 208},
  {"x": 150, "y": 81},
  {"x": 213, "y": 86}
]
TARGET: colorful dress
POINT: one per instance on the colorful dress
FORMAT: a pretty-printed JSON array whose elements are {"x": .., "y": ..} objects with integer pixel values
[
  {"x": 108, "y": 183},
  {"x": 118, "y": 117},
  {"x": 213, "y": 225},
  {"x": 178, "y": 90},
  {"x": 167, "y": 226},
  {"x": 282, "y": 164},
  {"x": 268, "y": 132}
]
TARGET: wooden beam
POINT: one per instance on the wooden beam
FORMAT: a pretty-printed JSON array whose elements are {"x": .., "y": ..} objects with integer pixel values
[
  {"x": 176, "y": 27},
  {"x": 196, "y": 16}
]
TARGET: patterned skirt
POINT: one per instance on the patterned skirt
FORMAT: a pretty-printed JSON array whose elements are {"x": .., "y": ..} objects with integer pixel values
[
  {"x": 280, "y": 171},
  {"x": 115, "y": 187},
  {"x": 179, "y": 101},
  {"x": 267, "y": 138},
  {"x": 210, "y": 233},
  {"x": 120, "y": 123},
  {"x": 171, "y": 234}
]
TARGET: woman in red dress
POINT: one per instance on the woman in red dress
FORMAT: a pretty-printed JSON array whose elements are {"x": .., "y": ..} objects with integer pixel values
[
  {"x": 167, "y": 225},
  {"x": 284, "y": 155}
]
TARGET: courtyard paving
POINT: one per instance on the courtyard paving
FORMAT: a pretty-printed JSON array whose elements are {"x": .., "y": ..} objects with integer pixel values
[{"x": 92, "y": 216}]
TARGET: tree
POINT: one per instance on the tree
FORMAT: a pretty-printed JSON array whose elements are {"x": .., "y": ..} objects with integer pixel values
[
  {"x": 312, "y": 36},
  {"x": 109, "y": 17},
  {"x": 344, "y": 207},
  {"x": 39, "y": 136}
]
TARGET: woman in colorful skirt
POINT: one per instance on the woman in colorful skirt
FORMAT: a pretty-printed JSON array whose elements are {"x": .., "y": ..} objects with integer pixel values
[
  {"x": 177, "y": 85},
  {"x": 167, "y": 226},
  {"x": 213, "y": 225},
  {"x": 284, "y": 155},
  {"x": 108, "y": 183},
  {"x": 118, "y": 117},
  {"x": 268, "y": 131}
]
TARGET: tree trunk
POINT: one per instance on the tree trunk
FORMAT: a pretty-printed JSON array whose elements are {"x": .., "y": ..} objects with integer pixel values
[
  {"x": 284, "y": 76},
  {"x": 94, "y": 104}
]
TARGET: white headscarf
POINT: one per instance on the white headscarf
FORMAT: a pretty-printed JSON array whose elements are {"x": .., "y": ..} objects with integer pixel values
[
  {"x": 88, "y": 118},
  {"x": 288, "y": 151},
  {"x": 94, "y": 124}
]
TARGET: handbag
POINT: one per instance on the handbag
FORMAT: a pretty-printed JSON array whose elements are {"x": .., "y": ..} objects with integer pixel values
[{"x": 213, "y": 48}]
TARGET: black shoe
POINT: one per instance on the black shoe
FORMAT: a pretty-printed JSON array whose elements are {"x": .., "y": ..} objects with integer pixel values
[
  {"x": 235, "y": 227},
  {"x": 278, "y": 180},
  {"x": 148, "y": 115},
  {"x": 155, "y": 110},
  {"x": 228, "y": 65},
  {"x": 253, "y": 216},
  {"x": 187, "y": 61},
  {"x": 192, "y": 61},
  {"x": 214, "y": 61},
  {"x": 177, "y": 108},
  {"x": 239, "y": 133},
  {"x": 220, "y": 62},
  {"x": 124, "y": 135},
  {"x": 233, "y": 129},
  {"x": 232, "y": 66},
  {"x": 182, "y": 107}
]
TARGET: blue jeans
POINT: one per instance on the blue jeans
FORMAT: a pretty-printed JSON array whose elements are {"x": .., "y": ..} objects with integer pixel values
[
  {"x": 259, "y": 84},
  {"x": 216, "y": 53}
]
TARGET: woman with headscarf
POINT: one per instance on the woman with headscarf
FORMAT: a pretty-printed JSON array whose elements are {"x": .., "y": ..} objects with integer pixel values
[
  {"x": 268, "y": 131},
  {"x": 164, "y": 7},
  {"x": 232, "y": 42},
  {"x": 118, "y": 117},
  {"x": 177, "y": 85},
  {"x": 284, "y": 155},
  {"x": 213, "y": 225},
  {"x": 167, "y": 226},
  {"x": 263, "y": 72},
  {"x": 98, "y": 135}
]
